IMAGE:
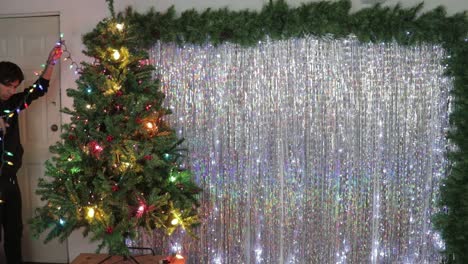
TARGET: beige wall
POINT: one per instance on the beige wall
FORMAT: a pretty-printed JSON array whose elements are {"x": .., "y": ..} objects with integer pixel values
[{"x": 79, "y": 17}]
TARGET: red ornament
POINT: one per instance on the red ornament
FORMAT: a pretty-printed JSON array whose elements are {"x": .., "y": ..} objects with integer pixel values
[
  {"x": 119, "y": 93},
  {"x": 148, "y": 157},
  {"x": 115, "y": 187},
  {"x": 138, "y": 120},
  {"x": 71, "y": 137},
  {"x": 110, "y": 138},
  {"x": 109, "y": 230},
  {"x": 95, "y": 149}
]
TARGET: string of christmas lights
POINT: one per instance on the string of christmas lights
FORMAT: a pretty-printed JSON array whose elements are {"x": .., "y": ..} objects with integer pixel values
[{"x": 67, "y": 56}]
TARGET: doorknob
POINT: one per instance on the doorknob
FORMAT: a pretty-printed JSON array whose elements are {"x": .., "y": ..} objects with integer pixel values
[{"x": 54, "y": 127}]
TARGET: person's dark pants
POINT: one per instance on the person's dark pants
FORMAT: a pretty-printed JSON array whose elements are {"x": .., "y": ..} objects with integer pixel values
[{"x": 11, "y": 220}]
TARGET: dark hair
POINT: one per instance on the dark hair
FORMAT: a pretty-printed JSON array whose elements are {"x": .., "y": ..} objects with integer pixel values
[{"x": 10, "y": 72}]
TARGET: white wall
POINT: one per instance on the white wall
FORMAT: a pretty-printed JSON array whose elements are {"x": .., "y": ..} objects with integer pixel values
[{"x": 80, "y": 17}]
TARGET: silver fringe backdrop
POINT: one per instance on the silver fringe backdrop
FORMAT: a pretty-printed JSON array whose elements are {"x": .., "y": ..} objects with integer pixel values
[{"x": 311, "y": 150}]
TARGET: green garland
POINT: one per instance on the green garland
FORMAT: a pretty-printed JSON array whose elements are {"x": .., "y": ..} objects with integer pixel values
[{"x": 377, "y": 24}]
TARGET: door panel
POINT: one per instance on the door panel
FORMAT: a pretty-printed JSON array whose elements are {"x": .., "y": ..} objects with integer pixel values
[{"x": 27, "y": 42}]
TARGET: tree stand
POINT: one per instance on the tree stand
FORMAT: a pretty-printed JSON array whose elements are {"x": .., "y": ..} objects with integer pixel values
[{"x": 133, "y": 259}]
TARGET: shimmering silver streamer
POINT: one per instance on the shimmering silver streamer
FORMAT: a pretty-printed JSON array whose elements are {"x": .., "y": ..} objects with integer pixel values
[{"x": 311, "y": 150}]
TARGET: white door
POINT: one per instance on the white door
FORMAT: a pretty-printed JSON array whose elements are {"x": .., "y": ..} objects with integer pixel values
[{"x": 27, "y": 42}]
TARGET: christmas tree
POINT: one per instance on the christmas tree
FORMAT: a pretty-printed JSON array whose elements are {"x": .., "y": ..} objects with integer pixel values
[{"x": 118, "y": 166}]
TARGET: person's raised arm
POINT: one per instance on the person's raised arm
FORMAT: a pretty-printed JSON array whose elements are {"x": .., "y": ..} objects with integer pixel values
[{"x": 53, "y": 58}]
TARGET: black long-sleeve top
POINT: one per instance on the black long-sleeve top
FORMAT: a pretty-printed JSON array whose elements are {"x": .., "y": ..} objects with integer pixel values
[{"x": 10, "y": 143}]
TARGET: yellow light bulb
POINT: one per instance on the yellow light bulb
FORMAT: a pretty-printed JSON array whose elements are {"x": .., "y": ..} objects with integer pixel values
[
  {"x": 175, "y": 221},
  {"x": 149, "y": 125},
  {"x": 116, "y": 55},
  {"x": 90, "y": 212},
  {"x": 119, "y": 26}
]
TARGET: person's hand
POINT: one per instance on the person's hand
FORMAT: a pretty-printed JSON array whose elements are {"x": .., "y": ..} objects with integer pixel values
[
  {"x": 3, "y": 126},
  {"x": 55, "y": 54}
]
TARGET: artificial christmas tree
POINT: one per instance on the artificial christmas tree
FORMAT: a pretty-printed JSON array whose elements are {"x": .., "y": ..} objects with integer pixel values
[{"x": 118, "y": 166}]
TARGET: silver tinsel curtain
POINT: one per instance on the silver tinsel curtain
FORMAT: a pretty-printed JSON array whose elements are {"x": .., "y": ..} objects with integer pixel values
[{"x": 311, "y": 150}]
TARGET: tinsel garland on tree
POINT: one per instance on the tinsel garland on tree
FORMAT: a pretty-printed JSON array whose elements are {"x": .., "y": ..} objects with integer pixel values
[{"x": 330, "y": 19}]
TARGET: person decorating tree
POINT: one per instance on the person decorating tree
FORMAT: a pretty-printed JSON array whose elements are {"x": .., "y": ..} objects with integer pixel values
[{"x": 11, "y": 150}]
